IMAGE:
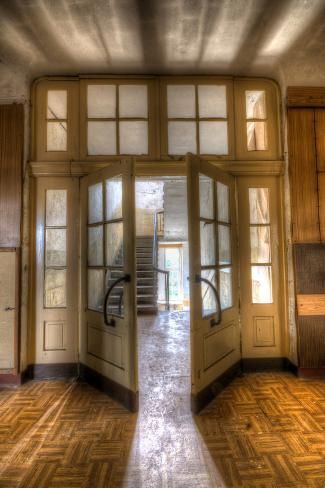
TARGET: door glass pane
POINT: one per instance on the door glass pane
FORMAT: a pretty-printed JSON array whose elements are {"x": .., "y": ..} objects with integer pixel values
[
  {"x": 57, "y": 104},
  {"x": 260, "y": 244},
  {"x": 56, "y": 208},
  {"x": 223, "y": 202},
  {"x": 224, "y": 244},
  {"x": 95, "y": 246},
  {"x": 213, "y": 137},
  {"x": 259, "y": 206},
  {"x": 115, "y": 303},
  {"x": 133, "y": 101},
  {"x": 262, "y": 284},
  {"x": 114, "y": 198},
  {"x": 56, "y": 136},
  {"x": 181, "y": 101},
  {"x": 212, "y": 101},
  {"x": 95, "y": 289},
  {"x": 181, "y": 138},
  {"x": 114, "y": 244},
  {"x": 208, "y": 243},
  {"x": 55, "y": 288},
  {"x": 95, "y": 203},
  {"x": 206, "y": 197},
  {"x": 256, "y": 136},
  {"x": 101, "y": 138},
  {"x": 209, "y": 301},
  {"x": 101, "y": 101},
  {"x": 134, "y": 137},
  {"x": 255, "y": 104},
  {"x": 56, "y": 247},
  {"x": 225, "y": 277}
]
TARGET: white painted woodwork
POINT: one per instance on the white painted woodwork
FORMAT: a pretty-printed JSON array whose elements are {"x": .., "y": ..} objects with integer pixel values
[{"x": 8, "y": 305}]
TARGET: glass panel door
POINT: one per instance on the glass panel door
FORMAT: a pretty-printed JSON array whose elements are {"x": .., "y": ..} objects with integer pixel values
[
  {"x": 108, "y": 325},
  {"x": 215, "y": 337}
]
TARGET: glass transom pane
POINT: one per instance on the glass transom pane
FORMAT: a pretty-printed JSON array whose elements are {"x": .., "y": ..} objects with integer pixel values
[
  {"x": 257, "y": 136},
  {"x": 255, "y": 104},
  {"x": 181, "y": 138},
  {"x": 224, "y": 244},
  {"x": 209, "y": 301},
  {"x": 133, "y": 101},
  {"x": 260, "y": 244},
  {"x": 114, "y": 244},
  {"x": 134, "y": 137},
  {"x": 56, "y": 247},
  {"x": 95, "y": 246},
  {"x": 101, "y": 101},
  {"x": 223, "y": 202},
  {"x": 181, "y": 101},
  {"x": 262, "y": 284},
  {"x": 56, "y": 208},
  {"x": 208, "y": 244},
  {"x": 114, "y": 198},
  {"x": 259, "y": 206},
  {"x": 57, "y": 104},
  {"x": 225, "y": 278},
  {"x": 56, "y": 136},
  {"x": 101, "y": 138},
  {"x": 55, "y": 288},
  {"x": 212, "y": 101},
  {"x": 206, "y": 197},
  {"x": 213, "y": 137},
  {"x": 95, "y": 203}
]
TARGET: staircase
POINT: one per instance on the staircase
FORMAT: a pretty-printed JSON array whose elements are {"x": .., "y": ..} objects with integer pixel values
[{"x": 146, "y": 277}]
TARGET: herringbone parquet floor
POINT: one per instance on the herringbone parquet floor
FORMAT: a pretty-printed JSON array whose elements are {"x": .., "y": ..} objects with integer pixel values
[{"x": 263, "y": 431}]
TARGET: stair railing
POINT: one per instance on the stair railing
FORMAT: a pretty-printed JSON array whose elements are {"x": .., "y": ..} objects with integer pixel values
[{"x": 158, "y": 228}]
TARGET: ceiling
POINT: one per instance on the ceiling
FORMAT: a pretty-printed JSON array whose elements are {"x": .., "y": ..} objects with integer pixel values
[{"x": 282, "y": 39}]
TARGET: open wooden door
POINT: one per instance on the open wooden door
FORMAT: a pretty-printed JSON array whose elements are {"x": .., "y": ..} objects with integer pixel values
[
  {"x": 215, "y": 335},
  {"x": 108, "y": 339}
]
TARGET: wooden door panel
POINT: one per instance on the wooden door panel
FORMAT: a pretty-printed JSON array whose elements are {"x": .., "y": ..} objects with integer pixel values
[{"x": 8, "y": 310}]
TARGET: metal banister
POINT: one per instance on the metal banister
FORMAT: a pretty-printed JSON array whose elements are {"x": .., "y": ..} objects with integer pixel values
[
  {"x": 126, "y": 278},
  {"x": 199, "y": 279}
]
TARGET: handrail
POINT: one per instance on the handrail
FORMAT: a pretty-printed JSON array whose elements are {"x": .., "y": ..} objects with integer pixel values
[
  {"x": 199, "y": 279},
  {"x": 111, "y": 322},
  {"x": 155, "y": 258}
]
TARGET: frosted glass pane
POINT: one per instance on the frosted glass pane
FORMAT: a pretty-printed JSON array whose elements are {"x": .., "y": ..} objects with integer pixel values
[
  {"x": 259, "y": 206},
  {"x": 223, "y": 202},
  {"x": 56, "y": 208},
  {"x": 208, "y": 240},
  {"x": 101, "y": 101},
  {"x": 181, "y": 101},
  {"x": 57, "y": 104},
  {"x": 262, "y": 284},
  {"x": 260, "y": 244},
  {"x": 255, "y": 104},
  {"x": 56, "y": 136},
  {"x": 114, "y": 244},
  {"x": 101, "y": 138},
  {"x": 56, "y": 247},
  {"x": 115, "y": 303},
  {"x": 212, "y": 101},
  {"x": 225, "y": 277},
  {"x": 209, "y": 301},
  {"x": 55, "y": 288},
  {"x": 181, "y": 138},
  {"x": 134, "y": 137},
  {"x": 133, "y": 101},
  {"x": 95, "y": 246},
  {"x": 256, "y": 136},
  {"x": 95, "y": 203},
  {"x": 114, "y": 198},
  {"x": 224, "y": 244},
  {"x": 213, "y": 137},
  {"x": 95, "y": 289},
  {"x": 206, "y": 197}
]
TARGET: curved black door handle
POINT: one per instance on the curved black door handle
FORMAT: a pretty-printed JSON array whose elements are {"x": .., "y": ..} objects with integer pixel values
[
  {"x": 199, "y": 279},
  {"x": 127, "y": 279}
]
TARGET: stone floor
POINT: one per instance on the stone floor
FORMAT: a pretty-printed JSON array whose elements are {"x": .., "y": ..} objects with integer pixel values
[{"x": 264, "y": 430}]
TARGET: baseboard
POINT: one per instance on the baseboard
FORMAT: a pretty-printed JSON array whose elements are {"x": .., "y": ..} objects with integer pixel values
[
  {"x": 205, "y": 396},
  {"x": 8, "y": 379},
  {"x": 52, "y": 371},
  {"x": 252, "y": 365},
  {"x": 311, "y": 373},
  {"x": 126, "y": 397}
]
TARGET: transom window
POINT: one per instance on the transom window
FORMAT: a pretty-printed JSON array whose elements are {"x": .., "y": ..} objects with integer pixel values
[{"x": 256, "y": 120}]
